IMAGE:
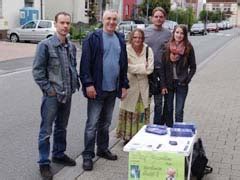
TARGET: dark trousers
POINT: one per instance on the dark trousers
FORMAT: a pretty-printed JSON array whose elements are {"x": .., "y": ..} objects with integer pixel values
[
  {"x": 160, "y": 110},
  {"x": 53, "y": 111},
  {"x": 180, "y": 92},
  {"x": 99, "y": 112}
]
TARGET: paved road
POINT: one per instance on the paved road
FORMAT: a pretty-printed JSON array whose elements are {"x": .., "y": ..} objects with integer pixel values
[
  {"x": 204, "y": 47},
  {"x": 19, "y": 115}
]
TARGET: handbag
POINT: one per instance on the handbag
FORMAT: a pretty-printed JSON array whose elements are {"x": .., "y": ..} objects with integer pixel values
[{"x": 153, "y": 80}]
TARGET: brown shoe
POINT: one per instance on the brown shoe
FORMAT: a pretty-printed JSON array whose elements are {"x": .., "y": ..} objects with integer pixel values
[{"x": 45, "y": 171}]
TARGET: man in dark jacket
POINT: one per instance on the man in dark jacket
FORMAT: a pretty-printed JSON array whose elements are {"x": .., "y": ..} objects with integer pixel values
[
  {"x": 103, "y": 73},
  {"x": 54, "y": 70}
]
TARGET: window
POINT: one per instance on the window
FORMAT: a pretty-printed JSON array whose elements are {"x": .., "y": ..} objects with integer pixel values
[
  {"x": 86, "y": 8},
  {"x": 44, "y": 24},
  {"x": 28, "y": 3},
  {"x": 86, "y": 4},
  {"x": 127, "y": 10},
  {"x": 22, "y": 15},
  {"x": 30, "y": 25}
]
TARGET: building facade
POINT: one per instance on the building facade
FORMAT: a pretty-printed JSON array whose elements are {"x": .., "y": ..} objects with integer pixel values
[
  {"x": 76, "y": 8},
  {"x": 229, "y": 7},
  {"x": 128, "y": 9},
  {"x": 197, "y": 5},
  {"x": 10, "y": 11}
]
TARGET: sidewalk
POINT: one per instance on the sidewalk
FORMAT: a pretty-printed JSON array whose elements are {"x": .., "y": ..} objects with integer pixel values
[
  {"x": 213, "y": 103},
  {"x": 11, "y": 50}
]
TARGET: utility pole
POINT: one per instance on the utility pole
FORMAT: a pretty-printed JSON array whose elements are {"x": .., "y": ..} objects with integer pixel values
[
  {"x": 177, "y": 14},
  {"x": 147, "y": 9},
  {"x": 41, "y": 8},
  {"x": 205, "y": 18}
]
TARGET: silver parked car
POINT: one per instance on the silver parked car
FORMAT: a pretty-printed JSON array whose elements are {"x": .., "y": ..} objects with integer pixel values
[
  {"x": 198, "y": 28},
  {"x": 35, "y": 30},
  {"x": 170, "y": 25}
]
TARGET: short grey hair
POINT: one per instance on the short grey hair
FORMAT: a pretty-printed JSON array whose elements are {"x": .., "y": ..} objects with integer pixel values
[{"x": 110, "y": 11}]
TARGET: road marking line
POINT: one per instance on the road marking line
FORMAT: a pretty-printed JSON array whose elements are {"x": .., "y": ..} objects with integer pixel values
[
  {"x": 205, "y": 61},
  {"x": 16, "y": 71}
]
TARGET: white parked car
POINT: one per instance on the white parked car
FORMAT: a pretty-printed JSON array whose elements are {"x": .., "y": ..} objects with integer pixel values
[
  {"x": 130, "y": 25},
  {"x": 35, "y": 30},
  {"x": 168, "y": 24}
]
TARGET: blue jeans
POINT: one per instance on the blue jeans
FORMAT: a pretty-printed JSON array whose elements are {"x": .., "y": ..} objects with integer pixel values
[
  {"x": 99, "y": 113},
  {"x": 160, "y": 109},
  {"x": 53, "y": 111},
  {"x": 180, "y": 92}
]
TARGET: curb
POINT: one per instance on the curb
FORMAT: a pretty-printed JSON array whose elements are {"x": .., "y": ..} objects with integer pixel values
[{"x": 70, "y": 173}]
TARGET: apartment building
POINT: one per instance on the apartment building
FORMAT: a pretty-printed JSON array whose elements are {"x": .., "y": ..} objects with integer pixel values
[
  {"x": 128, "y": 9},
  {"x": 10, "y": 13},
  {"x": 197, "y": 5},
  {"x": 76, "y": 8},
  {"x": 229, "y": 7}
]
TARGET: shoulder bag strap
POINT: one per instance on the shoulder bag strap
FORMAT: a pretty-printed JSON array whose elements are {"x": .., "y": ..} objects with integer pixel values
[{"x": 147, "y": 53}]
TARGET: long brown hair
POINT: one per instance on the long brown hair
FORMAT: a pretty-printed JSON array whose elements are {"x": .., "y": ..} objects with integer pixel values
[
  {"x": 186, "y": 42},
  {"x": 132, "y": 34}
]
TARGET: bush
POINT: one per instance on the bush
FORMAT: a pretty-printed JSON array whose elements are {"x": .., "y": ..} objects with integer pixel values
[{"x": 80, "y": 30}]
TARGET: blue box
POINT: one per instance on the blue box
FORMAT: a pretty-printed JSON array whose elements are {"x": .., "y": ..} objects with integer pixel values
[
  {"x": 180, "y": 132},
  {"x": 184, "y": 125},
  {"x": 156, "y": 129}
]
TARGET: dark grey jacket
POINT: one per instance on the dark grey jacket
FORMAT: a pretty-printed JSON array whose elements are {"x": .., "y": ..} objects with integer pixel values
[
  {"x": 48, "y": 70},
  {"x": 185, "y": 70}
]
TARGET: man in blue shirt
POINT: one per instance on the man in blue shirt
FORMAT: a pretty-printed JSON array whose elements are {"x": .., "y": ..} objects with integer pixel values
[
  {"x": 103, "y": 73},
  {"x": 54, "y": 70}
]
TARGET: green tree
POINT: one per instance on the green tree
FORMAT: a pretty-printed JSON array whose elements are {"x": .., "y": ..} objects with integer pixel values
[
  {"x": 183, "y": 16},
  {"x": 203, "y": 16},
  {"x": 151, "y": 4},
  {"x": 212, "y": 16},
  {"x": 190, "y": 17}
]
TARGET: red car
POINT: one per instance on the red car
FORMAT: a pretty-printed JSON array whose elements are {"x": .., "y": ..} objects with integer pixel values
[{"x": 212, "y": 27}]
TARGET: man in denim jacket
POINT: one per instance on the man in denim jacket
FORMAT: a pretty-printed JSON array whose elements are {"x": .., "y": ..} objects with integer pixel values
[
  {"x": 103, "y": 73},
  {"x": 54, "y": 70}
]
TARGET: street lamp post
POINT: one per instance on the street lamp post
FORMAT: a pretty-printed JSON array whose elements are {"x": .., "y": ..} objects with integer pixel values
[
  {"x": 177, "y": 14},
  {"x": 205, "y": 17},
  {"x": 41, "y": 8},
  {"x": 147, "y": 9}
]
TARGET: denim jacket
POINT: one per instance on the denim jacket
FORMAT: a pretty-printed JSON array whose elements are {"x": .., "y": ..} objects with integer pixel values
[{"x": 48, "y": 70}]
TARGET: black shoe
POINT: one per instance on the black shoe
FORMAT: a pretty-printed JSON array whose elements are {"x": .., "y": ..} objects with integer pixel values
[
  {"x": 87, "y": 164},
  {"x": 125, "y": 142},
  {"x": 107, "y": 155},
  {"x": 46, "y": 172},
  {"x": 65, "y": 160}
]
